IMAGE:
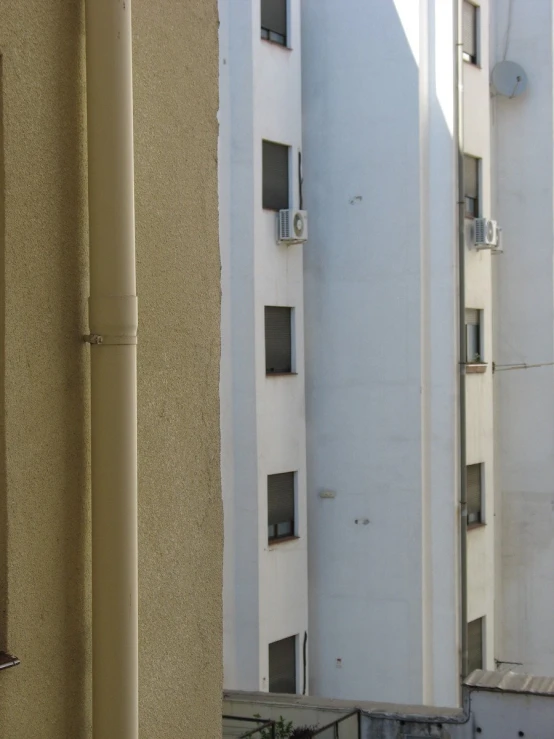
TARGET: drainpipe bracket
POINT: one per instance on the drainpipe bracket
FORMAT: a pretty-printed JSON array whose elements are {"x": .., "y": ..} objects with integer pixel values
[
  {"x": 114, "y": 340},
  {"x": 93, "y": 339}
]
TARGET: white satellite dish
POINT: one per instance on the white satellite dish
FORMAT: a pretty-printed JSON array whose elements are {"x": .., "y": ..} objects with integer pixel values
[{"x": 509, "y": 79}]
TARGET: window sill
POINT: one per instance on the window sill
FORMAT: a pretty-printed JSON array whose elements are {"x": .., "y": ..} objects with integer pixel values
[
  {"x": 281, "y": 374},
  {"x": 276, "y": 542},
  {"x": 476, "y": 368},
  {"x": 473, "y": 526},
  {"x": 7, "y": 660},
  {"x": 276, "y": 43}
]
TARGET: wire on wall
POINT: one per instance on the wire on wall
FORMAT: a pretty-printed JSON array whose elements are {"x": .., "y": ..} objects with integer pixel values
[
  {"x": 508, "y": 30},
  {"x": 519, "y": 365}
]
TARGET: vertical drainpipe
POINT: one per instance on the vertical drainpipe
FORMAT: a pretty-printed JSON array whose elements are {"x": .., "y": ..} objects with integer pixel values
[
  {"x": 459, "y": 101},
  {"x": 113, "y": 338}
]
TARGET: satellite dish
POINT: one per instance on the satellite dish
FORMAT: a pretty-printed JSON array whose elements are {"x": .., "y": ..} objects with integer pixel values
[{"x": 509, "y": 79}]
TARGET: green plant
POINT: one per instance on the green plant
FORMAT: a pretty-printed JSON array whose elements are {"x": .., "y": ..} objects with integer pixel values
[{"x": 283, "y": 729}]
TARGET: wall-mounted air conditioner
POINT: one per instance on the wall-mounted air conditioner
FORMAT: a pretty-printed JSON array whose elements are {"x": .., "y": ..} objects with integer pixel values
[
  {"x": 487, "y": 234},
  {"x": 292, "y": 226}
]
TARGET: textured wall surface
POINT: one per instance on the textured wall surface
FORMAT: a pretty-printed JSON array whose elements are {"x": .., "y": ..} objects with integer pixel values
[
  {"x": 178, "y": 279},
  {"x": 44, "y": 491}
]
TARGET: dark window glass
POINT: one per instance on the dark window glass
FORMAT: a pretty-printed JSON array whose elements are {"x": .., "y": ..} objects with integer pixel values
[
  {"x": 275, "y": 176},
  {"x": 278, "y": 340},
  {"x": 280, "y": 506},
  {"x": 469, "y": 32},
  {"x": 473, "y": 336},
  {"x": 282, "y": 666},
  {"x": 475, "y": 645},
  {"x": 474, "y": 493},
  {"x": 471, "y": 185},
  {"x": 274, "y": 21}
]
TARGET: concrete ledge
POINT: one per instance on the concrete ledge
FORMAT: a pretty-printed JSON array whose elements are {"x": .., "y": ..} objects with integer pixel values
[{"x": 333, "y": 705}]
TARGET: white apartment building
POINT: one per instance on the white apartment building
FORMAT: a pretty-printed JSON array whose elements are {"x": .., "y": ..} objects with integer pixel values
[
  {"x": 375, "y": 544},
  {"x": 263, "y": 392}
]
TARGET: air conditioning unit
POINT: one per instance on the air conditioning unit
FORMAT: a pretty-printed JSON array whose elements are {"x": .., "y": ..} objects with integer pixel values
[
  {"x": 292, "y": 226},
  {"x": 487, "y": 234}
]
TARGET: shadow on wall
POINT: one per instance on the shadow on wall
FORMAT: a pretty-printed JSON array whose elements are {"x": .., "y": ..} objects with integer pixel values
[
  {"x": 73, "y": 316},
  {"x": 3, "y": 496}
]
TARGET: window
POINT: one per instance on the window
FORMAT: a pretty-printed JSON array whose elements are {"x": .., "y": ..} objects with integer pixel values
[
  {"x": 474, "y": 493},
  {"x": 475, "y": 634},
  {"x": 280, "y": 506},
  {"x": 274, "y": 21},
  {"x": 471, "y": 186},
  {"x": 474, "y": 346},
  {"x": 469, "y": 29},
  {"x": 275, "y": 176},
  {"x": 278, "y": 340},
  {"x": 282, "y": 666}
]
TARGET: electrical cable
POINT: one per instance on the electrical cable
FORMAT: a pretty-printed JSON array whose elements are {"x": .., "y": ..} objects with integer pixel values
[
  {"x": 520, "y": 365},
  {"x": 508, "y": 29}
]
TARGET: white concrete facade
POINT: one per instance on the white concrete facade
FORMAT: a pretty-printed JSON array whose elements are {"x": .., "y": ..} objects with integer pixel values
[
  {"x": 263, "y": 417},
  {"x": 381, "y": 349},
  {"x": 479, "y": 387},
  {"x": 366, "y": 91},
  {"x": 524, "y": 282}
]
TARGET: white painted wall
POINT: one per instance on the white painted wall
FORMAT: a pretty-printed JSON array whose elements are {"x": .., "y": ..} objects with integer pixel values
[
  {"x": 381, "y": 333},
  {"x": 381, "y": 349},
  {"x": 500, "y": 715},
  {"x": 263, "y": 418},
  {"x": 524, "y": 179},
  {"x": 479, "y": 387}
]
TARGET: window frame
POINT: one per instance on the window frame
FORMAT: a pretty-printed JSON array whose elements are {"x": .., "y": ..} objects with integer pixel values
[
  {"x": 476, "y": 213},
  {"x": 478, "y": 358},
  {"x": 289, "y": 182},
  {"x": 480, "y": 516},
  {"x": 473, "y": 59},
  {"x": 293, "y": 533},
  {"x": 292, "y": 354},
  {"x": 272, "y": 36},
  {"x": 294, "y": 637},
  {"x": 483, "y": 622}
]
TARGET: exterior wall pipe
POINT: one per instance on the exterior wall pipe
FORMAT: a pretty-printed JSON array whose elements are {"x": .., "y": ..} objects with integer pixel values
[
  {"x": 113, "y": 337},
  {"x": 459, "y": 120}
]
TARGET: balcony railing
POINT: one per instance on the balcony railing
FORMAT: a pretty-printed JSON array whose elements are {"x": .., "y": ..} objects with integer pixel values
[
  {"x": 240, "y": 727},
  {"x": 243, "y": 727},
  {"x": 346, "y": 727}
]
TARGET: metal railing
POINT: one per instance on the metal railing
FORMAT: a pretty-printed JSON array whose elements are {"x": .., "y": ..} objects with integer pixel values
[
  {"x": 333, "y": 730},
  {"x": 232, "y": 727},
  {"x": 346, "y": 727}
]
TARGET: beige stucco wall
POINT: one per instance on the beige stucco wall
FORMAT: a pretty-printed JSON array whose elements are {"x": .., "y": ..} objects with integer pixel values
[{"x": 44, "y": 491}]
